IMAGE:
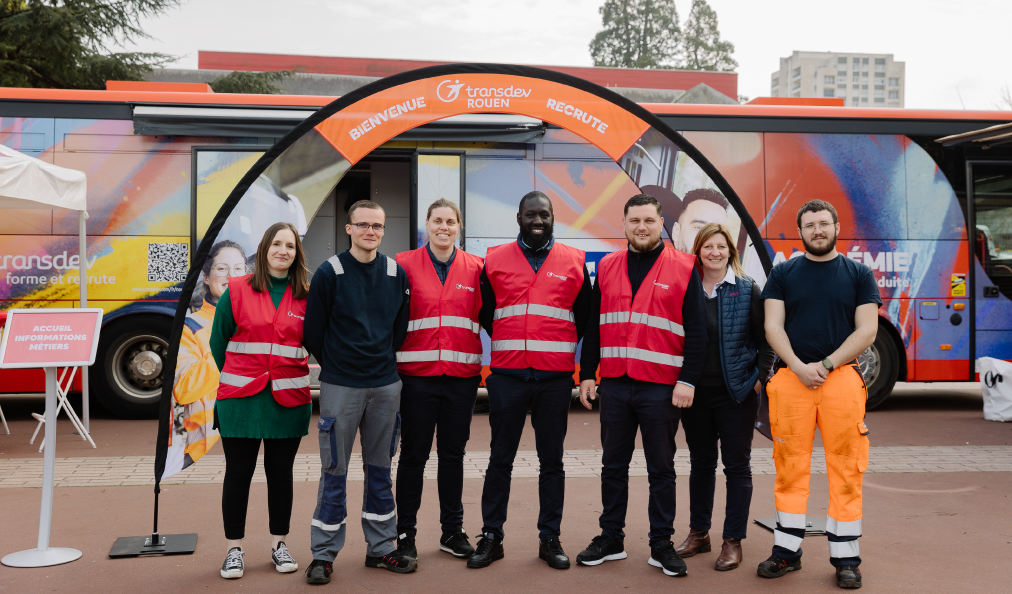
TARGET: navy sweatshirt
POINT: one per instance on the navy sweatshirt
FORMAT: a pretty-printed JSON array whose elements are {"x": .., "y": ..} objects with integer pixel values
[{"x": 356, "y": 319}]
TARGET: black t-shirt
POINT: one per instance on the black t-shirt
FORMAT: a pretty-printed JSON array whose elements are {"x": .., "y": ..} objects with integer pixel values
[{"x": 820, "y": 299}]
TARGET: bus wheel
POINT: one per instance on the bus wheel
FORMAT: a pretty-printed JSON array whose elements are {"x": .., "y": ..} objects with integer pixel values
[
  {"x": 131, "y": 366},
  {"x": 879, "y": 365}
]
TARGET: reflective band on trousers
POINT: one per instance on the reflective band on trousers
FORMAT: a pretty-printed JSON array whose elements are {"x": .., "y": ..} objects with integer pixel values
[
  {"x": 231, "y": 379},
  {"x": 266, "y": 348},
  {"x": 449, "y": 356},
  {"x": 640, "y": 354},
  {"x": 789, "y": 520},
  {"x": 437, "y": 321},
  {"x": 535, "y": 309},
  {"x": 788, "y": 541},
  {"x": 852, "y": 528},
  {"x": 290, "y": 383},
  {"x": 543, "y": 346},
  {"x": 378, "y": 517},
  {"x": 330, "y": 527},
  {"x": 620, "y": 317},
  {"x": 842, "y": 550}
]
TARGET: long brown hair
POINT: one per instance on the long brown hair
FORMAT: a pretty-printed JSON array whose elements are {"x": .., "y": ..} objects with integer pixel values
[
  {"x": 298, "y": 273},
  {"x": 708, "y": 231}
]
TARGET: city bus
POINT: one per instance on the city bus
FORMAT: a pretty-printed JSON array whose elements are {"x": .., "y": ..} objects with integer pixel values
[{"x": 934, "y": 223}]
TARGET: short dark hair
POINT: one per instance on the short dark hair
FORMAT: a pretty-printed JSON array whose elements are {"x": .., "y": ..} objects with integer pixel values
[
  {"x": 365, "y": 204},
  {"x": 707, "y": 194},
  {"x": 532, "y": 195},
  {"x": 642, "y": 200},
  {"x": 817, "y": 206}
]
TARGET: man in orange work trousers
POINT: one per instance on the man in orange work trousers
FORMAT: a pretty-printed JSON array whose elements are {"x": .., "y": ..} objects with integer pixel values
[{"x": 821, "y": 313}]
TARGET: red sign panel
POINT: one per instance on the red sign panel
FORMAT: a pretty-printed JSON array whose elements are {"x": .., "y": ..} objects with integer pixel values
[{"x": 50, "y": 337}]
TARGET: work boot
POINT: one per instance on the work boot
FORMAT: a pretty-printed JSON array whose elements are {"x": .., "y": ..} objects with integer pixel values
[
  {"x": 319, "y": 572},
  {"x": 394, "y": 561},
  {"x": 775, "y": 567},
  {"x": 698, "y": 541},
  {"x": 848, "y": 576},
  {"x": 730, "y": 555}
]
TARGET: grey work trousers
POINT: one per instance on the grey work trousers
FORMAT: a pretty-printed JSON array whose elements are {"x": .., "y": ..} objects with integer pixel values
[{"x": 343, "y": 412}]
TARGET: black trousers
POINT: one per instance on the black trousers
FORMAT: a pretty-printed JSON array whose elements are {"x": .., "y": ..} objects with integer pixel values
[
  {"x": 240, "y": 463},
  {"x": 440, "y": 405},
  {"x": 508, "y": 400},
  {"x": 714, "y": 416},
  {"x": 628, "y": 404}
]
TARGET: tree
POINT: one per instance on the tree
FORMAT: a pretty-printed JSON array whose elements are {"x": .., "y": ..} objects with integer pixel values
[
  {"x": 1004, "y": 98},
  {"x": 702, "y": 48},
  {"x": 251, "y": 82},
  {"x": 65, "y": 44},
  {"x": 637, "y": 34}
]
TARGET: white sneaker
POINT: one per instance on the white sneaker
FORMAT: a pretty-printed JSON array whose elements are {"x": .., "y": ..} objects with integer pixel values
[
  {"x": 232, "y": 568},
  {"x": 283, "y": 561}
]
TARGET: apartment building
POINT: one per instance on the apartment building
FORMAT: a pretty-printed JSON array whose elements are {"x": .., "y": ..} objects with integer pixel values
[{"x": 862, "y": 80}]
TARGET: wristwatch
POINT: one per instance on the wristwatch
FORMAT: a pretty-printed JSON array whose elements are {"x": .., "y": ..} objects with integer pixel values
[{"x": 827, "y": 364}]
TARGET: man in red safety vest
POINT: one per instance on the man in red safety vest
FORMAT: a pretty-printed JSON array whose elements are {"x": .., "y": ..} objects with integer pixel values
[
  {"x": 535, "y": 302},
  {"x": 649, "y": 321}
]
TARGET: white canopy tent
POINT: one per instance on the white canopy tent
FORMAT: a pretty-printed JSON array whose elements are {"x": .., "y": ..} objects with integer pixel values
[{"x": 27, "y": 182}]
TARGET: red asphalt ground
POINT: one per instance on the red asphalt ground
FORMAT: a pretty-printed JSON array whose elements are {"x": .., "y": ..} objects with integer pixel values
[{"x": 923, "y": 532}]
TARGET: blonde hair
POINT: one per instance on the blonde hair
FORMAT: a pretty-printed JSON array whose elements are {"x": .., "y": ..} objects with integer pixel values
[
  {"x": 708, "y": 231},
  {"x": 444, "y": 203}
]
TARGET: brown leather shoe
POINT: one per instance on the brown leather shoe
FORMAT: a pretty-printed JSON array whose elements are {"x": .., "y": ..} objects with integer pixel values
[
  {"x": 698, "y": 541},
  {"x": 730, "y": 555}
]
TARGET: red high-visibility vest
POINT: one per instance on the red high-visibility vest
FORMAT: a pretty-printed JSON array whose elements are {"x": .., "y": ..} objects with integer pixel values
[
  {"x": 267, "y": 346},
  {"x": 643, "y": 337},
  {"x": 443, "y": 330},
  {"x": 534, "y": 325}
]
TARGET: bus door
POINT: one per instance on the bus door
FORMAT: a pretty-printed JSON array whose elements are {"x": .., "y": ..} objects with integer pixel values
[
  {"x": 435, "y": 174},
  {"x": 989, "y": 189}
]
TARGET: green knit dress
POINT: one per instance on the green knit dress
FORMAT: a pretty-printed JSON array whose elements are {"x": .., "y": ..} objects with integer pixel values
[{"x": 257, "y": 416}]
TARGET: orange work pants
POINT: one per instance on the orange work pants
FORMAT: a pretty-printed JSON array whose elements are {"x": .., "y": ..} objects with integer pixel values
[{"x": 837, "y": 409}]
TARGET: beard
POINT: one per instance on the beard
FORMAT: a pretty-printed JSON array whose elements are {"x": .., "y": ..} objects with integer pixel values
[
  {"x": 817, "y": 251},
  {"x": 537, "y": 242},
  {"x": 644, "y": 245}
]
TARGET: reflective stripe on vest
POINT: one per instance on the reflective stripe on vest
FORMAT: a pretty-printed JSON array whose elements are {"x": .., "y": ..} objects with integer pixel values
[
  {"x": 232, "y": 379},
  {"x": 442, "y": 355},
  {"x": 535, "y": 309},
  {"x": 543, "y": 346},
  {"x": 437, "y": 321},
  {"x": 266, "y": 348},
  {"x": 621, "y": 317},
  {"x": 290, "y": 383},
  {"x": 640, "y": 354}
]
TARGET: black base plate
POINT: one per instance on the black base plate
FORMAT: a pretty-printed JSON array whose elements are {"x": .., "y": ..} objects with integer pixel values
[
  {"x": 169, "y": 544},
  {"x": 816, "y": 526}
]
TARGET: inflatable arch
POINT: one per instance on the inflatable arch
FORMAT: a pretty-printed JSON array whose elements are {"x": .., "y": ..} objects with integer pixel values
[{"x": 322, "y": 148}]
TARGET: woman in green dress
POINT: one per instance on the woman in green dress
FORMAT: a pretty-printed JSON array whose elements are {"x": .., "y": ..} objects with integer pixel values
[{"x": 264, "y": 389}]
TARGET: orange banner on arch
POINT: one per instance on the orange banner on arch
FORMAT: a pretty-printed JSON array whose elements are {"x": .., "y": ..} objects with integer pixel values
[{"x": 359, "y": 128}]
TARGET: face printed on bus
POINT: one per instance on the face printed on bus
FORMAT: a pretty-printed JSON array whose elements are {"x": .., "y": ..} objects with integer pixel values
[
  {"x": 818, "y": 232},
  {"x": 228, "y": 263},
  {"x": 442, "y": 227},
  {"x": 643, "y": 227},
  {"x": 696, "y": 214},
  {"x": 536, "y": 220},
  {"x": 281, "y": 253},
  {"x": 366, "y": 228}
]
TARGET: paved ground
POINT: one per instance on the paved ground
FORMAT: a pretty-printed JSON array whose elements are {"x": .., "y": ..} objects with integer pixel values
[{"x": 937, "y": 512}]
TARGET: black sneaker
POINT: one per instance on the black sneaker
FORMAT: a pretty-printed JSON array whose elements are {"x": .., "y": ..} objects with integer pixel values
[
  {"x": 602, "y": 548},
  {"x": 232, "y": 568},
  {"x": 283, "y": 560},
  {"x": 665, "y": 557},
  {"x": 775, "y": 567},
  {"x": 393, "y": 561},
  {"x": 454, "y": 541},
  {"x": 406, "y": 546},
  {"x": 489, "y": 549},
  {"x": 319, "y": 572},
  {"x": 551, "y": 551},
  {"x": 848, "y": 576}
]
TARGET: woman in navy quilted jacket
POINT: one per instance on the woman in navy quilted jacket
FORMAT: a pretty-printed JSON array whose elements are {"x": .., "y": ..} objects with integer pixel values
[{"x": 738, "y": 359}]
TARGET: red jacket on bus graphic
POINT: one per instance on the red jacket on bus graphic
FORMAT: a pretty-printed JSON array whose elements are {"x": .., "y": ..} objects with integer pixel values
[
  {"x": 267, "y": 346},
  {"x": 534, "y": 325},
  {"x": 643, "y": 337},
  {"x": 443, "y": 330}
]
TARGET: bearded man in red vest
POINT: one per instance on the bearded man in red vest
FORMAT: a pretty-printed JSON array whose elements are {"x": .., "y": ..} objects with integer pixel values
[
  {"x": 535, "y": 303},
  {"x": 649, "y": 318}
]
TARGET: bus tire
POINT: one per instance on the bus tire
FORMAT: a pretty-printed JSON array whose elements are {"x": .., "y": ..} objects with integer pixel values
[
  {"x": 880, "y": 364},
  {"x": 127, "y": 377}
]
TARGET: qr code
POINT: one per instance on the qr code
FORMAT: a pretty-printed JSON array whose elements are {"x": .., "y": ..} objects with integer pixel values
[{"x": 168, "y": 262}]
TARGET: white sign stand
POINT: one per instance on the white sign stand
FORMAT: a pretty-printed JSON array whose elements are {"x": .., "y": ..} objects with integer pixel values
[{"x": 43, "y": 555}]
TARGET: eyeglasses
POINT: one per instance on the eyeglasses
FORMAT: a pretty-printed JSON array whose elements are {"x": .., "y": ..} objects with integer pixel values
[
  {"x": 226, "y": 270},
  {"x": 363, "y": 227},
  {"x": 823, "y": 226}
]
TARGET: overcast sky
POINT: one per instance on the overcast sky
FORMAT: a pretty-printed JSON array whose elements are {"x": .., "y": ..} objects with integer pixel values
[{"x": 957, "y": 53}]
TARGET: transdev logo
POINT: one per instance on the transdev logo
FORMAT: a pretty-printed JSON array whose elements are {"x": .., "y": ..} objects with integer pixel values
[
  {"x": 661, "y": 285},
  {"x": 452, "y": 91},
  {"x": 558, "y": 276},
  {"x": 460, "y": 286}
]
